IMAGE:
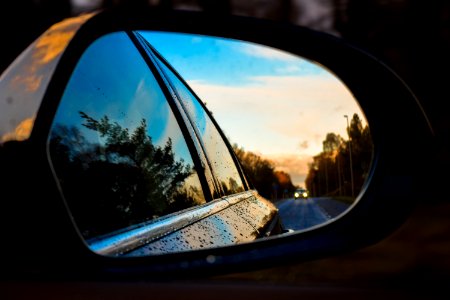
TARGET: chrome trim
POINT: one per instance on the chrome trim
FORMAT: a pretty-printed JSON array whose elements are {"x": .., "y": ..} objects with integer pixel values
[{"x": 123, "y": 241}]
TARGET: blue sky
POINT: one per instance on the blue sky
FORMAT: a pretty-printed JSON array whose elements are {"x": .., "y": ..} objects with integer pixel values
[
  {"x": 224, "y": 61},
  {"x": 119, "y": 85}
]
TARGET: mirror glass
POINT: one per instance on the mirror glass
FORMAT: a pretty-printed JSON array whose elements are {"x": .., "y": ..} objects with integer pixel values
[
  {"x": 167, "y": 142},
  {"x": 287, "y": 118}
]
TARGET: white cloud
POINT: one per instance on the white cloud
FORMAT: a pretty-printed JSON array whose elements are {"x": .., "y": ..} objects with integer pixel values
[
  {"x": 278, "y": 116},
  {"x": 288, "y": 69},
  {"x": 277, "y": 113},
  {"x": 267, "y": 52},
  {"x": 283, "y": 118},
  {"x": 196, "y": 39}
]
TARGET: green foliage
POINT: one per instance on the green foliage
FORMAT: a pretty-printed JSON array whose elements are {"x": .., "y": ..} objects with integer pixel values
[{"x": 121, "y": 181}]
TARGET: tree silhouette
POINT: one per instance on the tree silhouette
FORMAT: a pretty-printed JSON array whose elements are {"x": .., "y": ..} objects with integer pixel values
[
  {"x": 329, "y": 173},
  {"x": 261, "y": 172},
  {"x": 123, "y": 180}
]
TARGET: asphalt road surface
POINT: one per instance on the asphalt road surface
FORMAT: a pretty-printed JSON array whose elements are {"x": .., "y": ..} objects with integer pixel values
[{"x": 300, "y": 214}]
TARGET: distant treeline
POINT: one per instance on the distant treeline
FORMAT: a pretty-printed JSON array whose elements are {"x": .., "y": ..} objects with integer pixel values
[
  {"x": 270, "y": 183},
  {"x": 331, "y": 172}
]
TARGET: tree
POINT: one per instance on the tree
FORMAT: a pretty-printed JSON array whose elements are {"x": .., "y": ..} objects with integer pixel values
[
  {"x": 329, "y": 173},
  {"x": 285, "y": 183},
  {"x": 122, "y": 180},
  {"x": 331, "y": 145},
  {"x": 332, "y": 142},
  {"x": 362, "y": 149},
  {"x": 261, "y": 172}
]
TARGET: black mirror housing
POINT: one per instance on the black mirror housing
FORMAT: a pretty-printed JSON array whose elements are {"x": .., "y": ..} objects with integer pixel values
[{"x": 401, "y": 134}]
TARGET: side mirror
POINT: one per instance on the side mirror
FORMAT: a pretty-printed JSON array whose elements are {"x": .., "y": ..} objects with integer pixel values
[{"x": 138, "y": 172}]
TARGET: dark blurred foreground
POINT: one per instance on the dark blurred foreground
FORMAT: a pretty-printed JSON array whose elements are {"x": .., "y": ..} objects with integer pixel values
[
  {"x": 413, "y": 263},
  {"x": 416, "y": 258}
]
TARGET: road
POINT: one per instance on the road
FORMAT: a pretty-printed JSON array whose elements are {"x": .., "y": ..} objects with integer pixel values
[{"x": 304, "y": 213}]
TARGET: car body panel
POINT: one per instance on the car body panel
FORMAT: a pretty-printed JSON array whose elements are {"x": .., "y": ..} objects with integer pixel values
[
  {"x": 232, "y": 219},
  {"x": 224, "y": 228}
]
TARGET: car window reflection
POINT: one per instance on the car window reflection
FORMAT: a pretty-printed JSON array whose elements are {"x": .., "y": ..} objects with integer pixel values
[
  {"x": 215, "y": 147},
  {"x": 116, "y": 147}
]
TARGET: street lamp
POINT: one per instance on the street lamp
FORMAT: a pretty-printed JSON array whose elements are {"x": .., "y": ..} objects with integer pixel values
[{"x": 350, "y": 151}]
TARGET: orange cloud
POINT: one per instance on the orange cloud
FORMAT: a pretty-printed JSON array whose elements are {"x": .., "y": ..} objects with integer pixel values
[
  {"x": 54, "y": 41},
  {"x": 27, "y": 78},
  {"x": 21, "y": 132},
  {"x": 45, "y": 50},
  {"x": 51, "y": 45},
  {"x": 30, "y": 82}
]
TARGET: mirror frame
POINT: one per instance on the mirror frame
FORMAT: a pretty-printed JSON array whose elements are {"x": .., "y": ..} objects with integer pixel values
[{"x": 394, "y": 115}]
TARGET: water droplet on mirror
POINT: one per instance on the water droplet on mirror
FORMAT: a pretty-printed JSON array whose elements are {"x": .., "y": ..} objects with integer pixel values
[{"x": 210, "y": 259}]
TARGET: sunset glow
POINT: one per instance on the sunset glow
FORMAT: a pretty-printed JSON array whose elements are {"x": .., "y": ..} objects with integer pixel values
[
  {"x": 25, "y": 81},
  {"x": 21, "y": 132}
]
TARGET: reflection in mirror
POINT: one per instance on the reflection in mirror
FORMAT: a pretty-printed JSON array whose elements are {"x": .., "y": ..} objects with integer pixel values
[
  {"x": 216, "y": 149},
  {"x": 116, "y": 147},
  {"x": 145, "y": 170},
  {"x": 298, "y": 132}
]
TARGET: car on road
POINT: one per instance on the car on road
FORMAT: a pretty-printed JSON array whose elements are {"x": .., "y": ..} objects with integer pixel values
[
  {"x": 301, "y": 194},
  {"x": 64, "y": 237}
]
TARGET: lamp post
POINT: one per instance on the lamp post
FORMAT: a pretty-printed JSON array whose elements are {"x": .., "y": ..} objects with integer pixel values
[
  {"x": 339, "y": 174},
  {"x": 350, "y": 151}
]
